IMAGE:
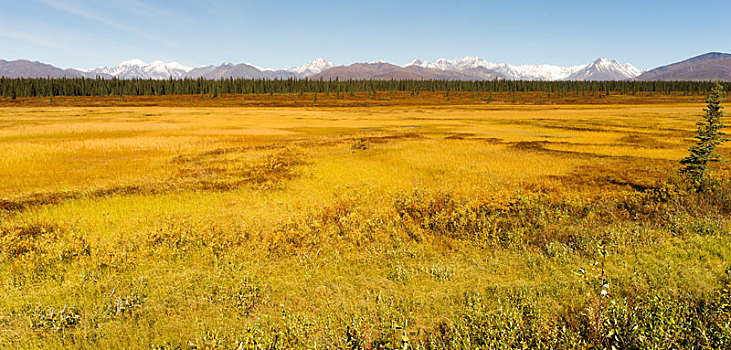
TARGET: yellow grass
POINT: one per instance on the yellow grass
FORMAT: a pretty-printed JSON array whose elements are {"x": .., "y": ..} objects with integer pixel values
[
  {"x": 84, "y": 163},
  {"x": 77, "y": 148}
]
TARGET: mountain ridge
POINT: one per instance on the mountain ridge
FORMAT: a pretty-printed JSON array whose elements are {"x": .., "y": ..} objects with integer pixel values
[
  {"x": 708, "y": 66},
  {"x": 475, "y": 68},
  {"x": 516, "y": 72},
  {"x": 136, "y": 68},
  {"x": 605, "y": 69},
  {"x": 703, "y": 67},
  {"x": 33, "y": 69}
]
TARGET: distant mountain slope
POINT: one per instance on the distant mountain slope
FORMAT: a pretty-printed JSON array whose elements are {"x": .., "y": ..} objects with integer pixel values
[
  {"x": 482, "y": 73},
  {"x": 31, "y": 69},
  {"x": 604, "y": 69},
  {"x": 504, "y": 70},
  {"x": 312, "y": 68},
  {"x": 360, "y": 71},
  {"x": 242, "y": 70},
  {"x": 138, "y": 69},
  {"x": 704, "y": 67},
  {"x": 477, "y": 73},
  {"x": 713, "y": 65},
  {"x": 382, "y": 70}
]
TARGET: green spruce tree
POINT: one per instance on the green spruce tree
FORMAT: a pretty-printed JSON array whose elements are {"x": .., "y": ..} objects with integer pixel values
[{"x": 709, "y": 137}]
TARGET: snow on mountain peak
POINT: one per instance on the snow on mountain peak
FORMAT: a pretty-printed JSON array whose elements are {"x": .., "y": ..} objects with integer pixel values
[
  {"x": 314, "y": 67},
  {"x": 258, "y": 67},
  {"x": 605, "y": 69},
  {"x": 136, "y": 68},
  {"x": 600, "y": 69},
  {"x": 133, "y": 62},
  {"x": 416, "y": 62},
  {"x": 610, "y": 69},
  {"x": 525, "y": 72}
]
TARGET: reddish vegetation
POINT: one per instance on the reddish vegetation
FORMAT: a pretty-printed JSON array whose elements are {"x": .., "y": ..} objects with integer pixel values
[{"x": 332, "y": 99}]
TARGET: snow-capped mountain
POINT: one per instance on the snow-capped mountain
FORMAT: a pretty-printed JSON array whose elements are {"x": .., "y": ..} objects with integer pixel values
[
  {"x": 455, "y": 64},
  {"x": 461, "y": 68},
  {"x": 312, "y": 68},
  {"x": 538, "y": 71},
  {"x": 522, "y": 72},
  {"x": 139, "y": 69},
  {"x": 612, "y": 70},
  {"x": 604, "y": 69},
  {"x": 236, "y": 71}
]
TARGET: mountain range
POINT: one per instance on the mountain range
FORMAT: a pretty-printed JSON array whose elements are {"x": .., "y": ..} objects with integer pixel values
[
  {"x": 160, "y": 70},
  {"x": 29, "y": 69},
  {"x": 475, "y": 68},
  {"x": 704, "y": 67},
  {"x": 713, "y": 65}
]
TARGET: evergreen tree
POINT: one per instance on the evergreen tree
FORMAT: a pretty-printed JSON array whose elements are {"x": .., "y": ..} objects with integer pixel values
[
  {"x": 709, "y": 136},
  {"x": 24, "y": 87}
]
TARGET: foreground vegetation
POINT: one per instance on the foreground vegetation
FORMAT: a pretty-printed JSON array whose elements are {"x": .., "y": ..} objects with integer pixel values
[{"x": 492, "y": 226}]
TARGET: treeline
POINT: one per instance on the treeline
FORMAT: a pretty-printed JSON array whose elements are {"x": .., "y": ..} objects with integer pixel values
[{"x": 12, "y": 88}]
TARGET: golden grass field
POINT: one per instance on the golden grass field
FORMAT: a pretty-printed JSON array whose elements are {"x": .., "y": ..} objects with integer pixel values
[{"x": 341, "y": 227}]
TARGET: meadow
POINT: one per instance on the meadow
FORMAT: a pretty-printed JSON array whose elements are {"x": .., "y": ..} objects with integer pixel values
[{"x": 363, "y": 225}]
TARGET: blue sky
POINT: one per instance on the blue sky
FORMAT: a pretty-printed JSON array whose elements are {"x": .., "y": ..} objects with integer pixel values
[{"x": 281, "y": 34}]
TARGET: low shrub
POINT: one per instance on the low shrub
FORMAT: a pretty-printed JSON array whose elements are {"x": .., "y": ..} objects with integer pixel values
[
  {"x": 276, "y": 167},
  {"x": 361, "y": 144},
  {"x": 123, "y": 305},
  {"x": 55, "y": 319},
  {"x": 244, "y": 297},
  {"x": 17, "y": 241}
]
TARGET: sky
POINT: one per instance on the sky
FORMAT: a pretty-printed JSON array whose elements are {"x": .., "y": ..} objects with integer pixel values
[{"x": 282, "y": 33}]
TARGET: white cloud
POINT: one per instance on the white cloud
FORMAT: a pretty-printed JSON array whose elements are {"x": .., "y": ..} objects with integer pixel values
[
  {"x": 84, "y": 11},
  {"x": 29, "y": 38}
]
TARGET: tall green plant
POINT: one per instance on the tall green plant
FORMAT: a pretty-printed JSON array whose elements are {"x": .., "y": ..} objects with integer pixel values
[{"x": 709, "y": 137}]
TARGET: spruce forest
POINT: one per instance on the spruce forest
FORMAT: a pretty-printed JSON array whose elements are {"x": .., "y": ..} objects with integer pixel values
[{"x": 150, "y": 87}]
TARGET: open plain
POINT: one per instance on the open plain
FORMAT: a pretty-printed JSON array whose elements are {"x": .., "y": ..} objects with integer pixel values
[{"x": 427, "y": 226}]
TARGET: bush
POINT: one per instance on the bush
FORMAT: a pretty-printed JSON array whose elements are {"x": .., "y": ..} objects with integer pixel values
[
  {"x": 123, "y": 305},
  {"x": 58, "y": 320},
  {"x": 17, "y": 241},
  {"x": 276, "y": 167},
  {"x": 361, "y": 144}
]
